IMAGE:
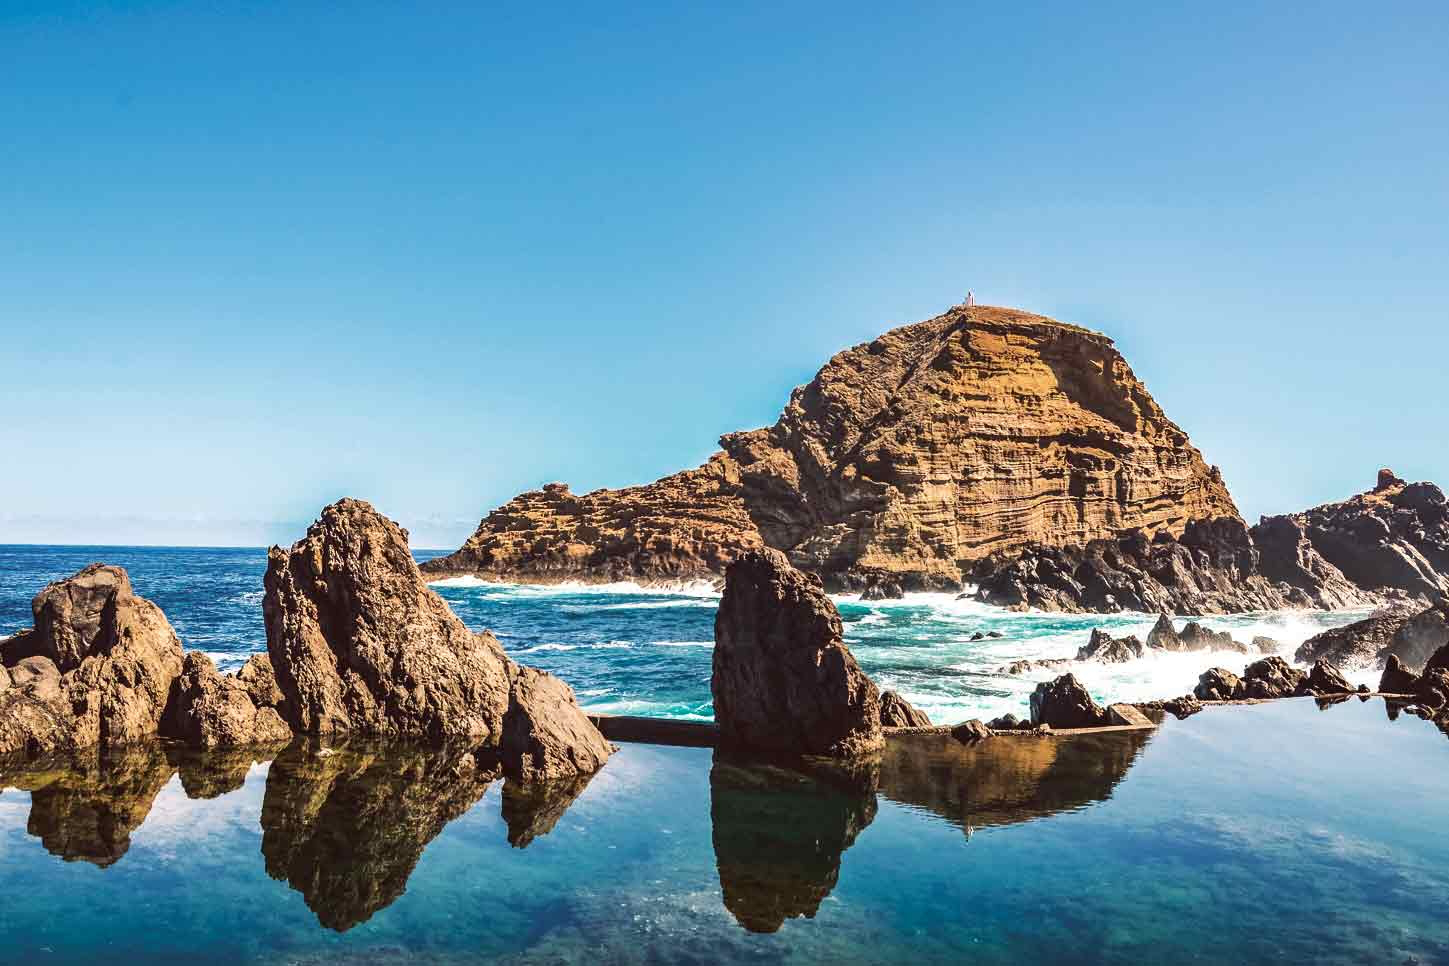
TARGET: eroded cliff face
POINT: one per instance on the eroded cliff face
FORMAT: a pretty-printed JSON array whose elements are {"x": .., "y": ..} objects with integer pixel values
[{"x": 982, "y": 431}]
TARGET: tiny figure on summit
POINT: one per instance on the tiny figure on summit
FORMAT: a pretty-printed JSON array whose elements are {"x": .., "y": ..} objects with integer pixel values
[{"x": 970, "y": 298}]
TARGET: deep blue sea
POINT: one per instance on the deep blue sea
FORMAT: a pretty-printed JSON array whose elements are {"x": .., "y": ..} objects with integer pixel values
[{"x": 626, "y": 650}]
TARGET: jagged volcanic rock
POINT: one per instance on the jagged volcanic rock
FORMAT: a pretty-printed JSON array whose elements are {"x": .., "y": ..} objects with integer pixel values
[
  {"x": 1104, "y": 647},
  {"x": 1066, "y": 703},
  {"x": 359, "y": 643},
  {"x": 982, "y": 431},
  {"x": 96, "y": 669},
  {"x": 783, "y": 679}
]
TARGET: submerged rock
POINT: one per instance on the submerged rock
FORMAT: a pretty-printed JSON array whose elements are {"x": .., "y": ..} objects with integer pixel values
[
  {"x": 783, "y": 679},
  {"x": 1066, "y": 703},
  {"x": 969, "y": 732},
  {"x": 96, "y": 669},
  {"x": 897, "y": 712}
]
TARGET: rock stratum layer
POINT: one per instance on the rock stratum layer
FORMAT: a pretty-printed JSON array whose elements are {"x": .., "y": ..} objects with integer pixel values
[{"x": 906, "y": 460}]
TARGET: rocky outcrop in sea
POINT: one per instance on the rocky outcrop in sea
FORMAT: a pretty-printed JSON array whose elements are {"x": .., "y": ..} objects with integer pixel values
[{"x": 982, "y": 431}]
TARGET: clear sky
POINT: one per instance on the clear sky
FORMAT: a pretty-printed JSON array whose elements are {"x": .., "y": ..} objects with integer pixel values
[{"x": 256, "y": 256}]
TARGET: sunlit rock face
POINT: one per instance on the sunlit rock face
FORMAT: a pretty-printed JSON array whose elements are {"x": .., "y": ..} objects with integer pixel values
[{"x": 905, "y": 460}]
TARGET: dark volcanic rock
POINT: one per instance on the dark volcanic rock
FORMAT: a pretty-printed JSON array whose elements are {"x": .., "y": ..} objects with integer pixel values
[
  {"x": 1397, "y": 679},
  {"x": 1028, "y": 666},
  {"x": 1218, "y": 684},
  {"x": 1109, "y": 650},
  {"x": 897, "y": 712},
  {"x": 969, "y": 732},
  {"x": 1065, "y": 703},
  {"x": 1390, "y": 543},
  {"x": 887, "y": 588},
  {"x": 981, "y": 431},
  {"x": 1324, "y": 678},
  {"x": 1412, "y": 636},
  {"x": 96, "y": 669},
  {"x": 1271, "y": 677},
  {"x": 211, "y": 711},
  {"x": 783, "y": 679}
]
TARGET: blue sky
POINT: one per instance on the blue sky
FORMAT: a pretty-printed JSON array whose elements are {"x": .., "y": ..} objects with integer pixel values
[{"x": 257, "y": 256}]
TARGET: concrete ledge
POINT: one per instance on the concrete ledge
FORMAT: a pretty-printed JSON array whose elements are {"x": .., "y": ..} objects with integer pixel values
[{"x": 657, "y": 731}]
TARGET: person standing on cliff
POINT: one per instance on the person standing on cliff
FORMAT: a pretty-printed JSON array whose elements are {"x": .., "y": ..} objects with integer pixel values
[{"x": 970, "y": 299}]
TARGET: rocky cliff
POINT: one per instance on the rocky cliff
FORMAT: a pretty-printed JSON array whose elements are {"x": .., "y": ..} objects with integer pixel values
[{"x": 981, "y": 432}]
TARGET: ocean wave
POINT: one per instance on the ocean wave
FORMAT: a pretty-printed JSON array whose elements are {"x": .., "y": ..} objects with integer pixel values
[
  {"x": 604, "y": 646},
  {"x": 679, "y": 588},
  {"x": 683, "y": 643},
  {"x": 683, "y": 602}
]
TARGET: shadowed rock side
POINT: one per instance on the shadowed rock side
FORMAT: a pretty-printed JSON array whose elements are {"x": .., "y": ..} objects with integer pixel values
[
  {"x": 96, "y": 670},
  {"x": 783, "y": 679},
  {"x": 84, "y": 808},
  {"x": 347, "y": 828},
  {"x": 1006, "y": 781},
  {"x": 780, "y": 829},
  {"x": 981, "y": 431},
  {"x": 1389, "y": 544},
  {"x": 209, "y": 710},
  {"x": 1410, "y": 636},
  {"x": 360, "y": 644}
]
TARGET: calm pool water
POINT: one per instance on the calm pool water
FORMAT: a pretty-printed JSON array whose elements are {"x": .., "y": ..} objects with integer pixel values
[{"x": 1271, "y": 833}]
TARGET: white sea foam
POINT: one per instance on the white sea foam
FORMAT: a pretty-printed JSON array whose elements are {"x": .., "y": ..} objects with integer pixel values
[
  {"x": 604, "y": 646},
  {"x": 683, "y": 643},
  {"x": 683, "y": 588},
  {"x": 681, "y": 602}
]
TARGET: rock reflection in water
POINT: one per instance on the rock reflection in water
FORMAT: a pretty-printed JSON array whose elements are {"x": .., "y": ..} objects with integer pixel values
[
  {"x": 1006, "y": 780},
  {"x": 531, "y": 810},
  {"x": 85, "y": 808},
  {"x": 346, "y": 825},
  {"x": 780, "y": 828}
]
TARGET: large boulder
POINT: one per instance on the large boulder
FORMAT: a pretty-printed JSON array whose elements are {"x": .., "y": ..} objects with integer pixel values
[
  {"x": 1397, "y": 679},
  {"x": 360, "y": 643},
  {"x": 1066, "y": 703},
  {"x": 211, "y": 711},
  {"x": 783, "y": 679},
  {"x": 1325, "y": 678},
  {"x": 96, "y": 670},
  {"x": 897, "y": 712},
  {"x": 1218, "y": 684},
  {"x": 546, "y": 736},
  {"x": 1271, "y": 677}
]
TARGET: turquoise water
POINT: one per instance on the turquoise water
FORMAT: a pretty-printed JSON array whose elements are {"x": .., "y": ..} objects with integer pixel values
[
  {"x": 1267, "y": 833},
  {"x": 628, "y": 651}
]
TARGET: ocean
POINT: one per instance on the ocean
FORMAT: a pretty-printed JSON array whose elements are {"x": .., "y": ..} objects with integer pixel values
[{"x": 631, "y": 650}]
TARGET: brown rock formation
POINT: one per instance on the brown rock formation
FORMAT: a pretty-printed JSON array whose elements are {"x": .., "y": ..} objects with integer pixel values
[
  {"x": 545, "y": 733},
  {"x": 358, "y": 643},
  {"x": 209, "y": 710},
  {"x": 982, "y": 431},
  {"x": 783, "y": 679},
  {"x": 897, "y": 712},
  {"x": 96, "y": 669}
]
